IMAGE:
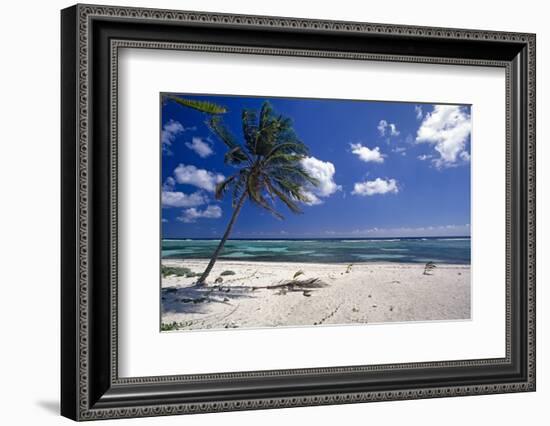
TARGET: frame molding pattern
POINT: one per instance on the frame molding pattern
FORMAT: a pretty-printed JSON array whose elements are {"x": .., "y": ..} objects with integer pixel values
[
  {"x": 115, "y": 46},
  {"x": 85, "y": 13},
  {"x": 305, "y": 401}
]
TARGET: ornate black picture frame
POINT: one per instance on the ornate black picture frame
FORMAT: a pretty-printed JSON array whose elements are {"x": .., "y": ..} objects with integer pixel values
[{"x": 91, "y": 37}]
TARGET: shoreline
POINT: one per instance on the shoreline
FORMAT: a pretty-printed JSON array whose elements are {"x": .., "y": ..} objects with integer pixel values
[
  {"x": 290, "y": 262},
  {"x": 259, "y": 294}
]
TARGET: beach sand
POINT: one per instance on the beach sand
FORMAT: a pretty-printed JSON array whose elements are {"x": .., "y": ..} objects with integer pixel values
[{"x": 362, "y": 293}]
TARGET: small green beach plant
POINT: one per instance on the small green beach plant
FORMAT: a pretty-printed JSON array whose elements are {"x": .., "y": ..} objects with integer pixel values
[
  {"x": 177, "y": 271},
  {"x": 174, "y": 326}
]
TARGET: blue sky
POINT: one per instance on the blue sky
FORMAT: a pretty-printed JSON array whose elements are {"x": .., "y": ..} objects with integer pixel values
[{"x": 385, "y": 169}]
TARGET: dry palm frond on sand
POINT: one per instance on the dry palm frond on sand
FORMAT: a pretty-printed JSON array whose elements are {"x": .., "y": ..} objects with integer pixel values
[{"x": 428, "y": 268}]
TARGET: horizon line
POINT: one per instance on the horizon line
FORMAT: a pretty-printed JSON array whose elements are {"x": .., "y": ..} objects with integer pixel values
[{"x": 319, "y": 238}]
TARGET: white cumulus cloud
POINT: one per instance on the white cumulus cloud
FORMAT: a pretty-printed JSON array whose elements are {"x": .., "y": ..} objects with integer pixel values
[
  {"x": 324, "y": 172},
  {"x": 385, "y": 128},
  {"x": 418, "y": 111},
  {"x": 464, "y": 155},
  {"x": 400, "y": 150},
  {"x": 201, "y": 148},
  {"x": 424, "y": 157},
  {"x": 171, "y": 198},
  {"x": 180, "y": 199},
  {"x": 366, "y": 154},
  {"x": 169, "y": 132},
  {"x": 169, "y": 184},
  {"x": 377, "y": 186},
  {"x": 200, "y": 178},
  {"x": 191, "y": 215},
  {"x": 312, "y": 199},
  {"x": 423, "y": 231},
  {"x": 448, "y": 128}
]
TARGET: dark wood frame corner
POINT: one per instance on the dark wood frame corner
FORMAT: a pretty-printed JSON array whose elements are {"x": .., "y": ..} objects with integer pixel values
[{"x": 91, "y": 37}]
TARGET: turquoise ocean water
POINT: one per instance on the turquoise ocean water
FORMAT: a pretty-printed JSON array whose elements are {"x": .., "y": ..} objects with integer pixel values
[{"x": 454, "y": 250}]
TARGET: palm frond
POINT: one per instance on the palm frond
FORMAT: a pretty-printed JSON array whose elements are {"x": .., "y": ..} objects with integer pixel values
[
  {"x": 267, "y": 139},
  {"x": 202, "y": 106},
  {"x": 217, "y": 127},
  {"x": 269, "y": 127},
  {"x": 266, "y": 114},
  {"x": 255, "y": 193},
  {"x": 281, "y": 157},
  {"x": 223, "y": 186},
  {"x": 235, "y": 156},
  {"x": 293, "y": 207},
  {"x": 295, "y": 147},
  {"x": 238, "y": 188},
  {"x": 295, "y": 173},
  {"x": 292, "y": 171},
  {"x": 291, "y": 189},
  {"x": 250, "y": 128},
  {"x": 253, "y": 186}
]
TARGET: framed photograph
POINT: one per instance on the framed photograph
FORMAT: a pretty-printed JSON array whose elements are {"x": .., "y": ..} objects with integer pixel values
[{"x": 263, "y": 212}]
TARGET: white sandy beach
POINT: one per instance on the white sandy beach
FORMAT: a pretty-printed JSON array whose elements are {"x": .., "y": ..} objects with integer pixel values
[{"x": 363, "y": 293}]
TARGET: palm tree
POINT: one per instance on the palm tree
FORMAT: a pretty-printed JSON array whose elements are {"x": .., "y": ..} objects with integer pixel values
[
  {"x": 202, "y": 106},
  {"x": 269, "y": 167}
]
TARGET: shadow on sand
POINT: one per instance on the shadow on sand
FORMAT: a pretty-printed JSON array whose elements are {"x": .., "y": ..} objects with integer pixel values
[{"x": 195, "y": 300}]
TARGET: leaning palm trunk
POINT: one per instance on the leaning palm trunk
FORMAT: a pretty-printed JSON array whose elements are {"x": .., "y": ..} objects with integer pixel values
[{"x": 219, "y": 249}]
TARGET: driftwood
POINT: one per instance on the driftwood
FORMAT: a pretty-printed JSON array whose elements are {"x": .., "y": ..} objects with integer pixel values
[
  {"x": 303, "y": 286},
  {"x": 298, "y": 285}
]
